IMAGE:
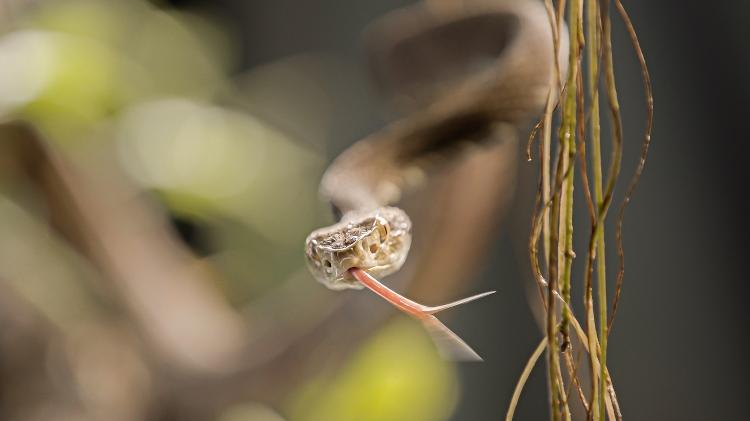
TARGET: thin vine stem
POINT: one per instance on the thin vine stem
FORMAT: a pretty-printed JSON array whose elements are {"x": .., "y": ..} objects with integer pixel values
[
  {"x": 597, "y": 237},
  {"x": 568, "y": 149},
  {"x": 530, "y": 364},
  {"x": 613, "y": 173},
  {"x": 642, "y": 159},
  {"x": 576, "y": 100}
]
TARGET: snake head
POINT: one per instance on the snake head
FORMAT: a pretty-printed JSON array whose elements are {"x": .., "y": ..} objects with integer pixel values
[{"x": 377, "y": 242}]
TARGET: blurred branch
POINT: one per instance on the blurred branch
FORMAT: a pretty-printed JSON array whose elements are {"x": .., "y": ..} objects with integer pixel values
[{"x": 163, "y": 287}]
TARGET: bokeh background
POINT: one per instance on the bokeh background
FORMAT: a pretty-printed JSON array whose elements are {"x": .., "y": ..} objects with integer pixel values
[{"x": 221, "y": 116}]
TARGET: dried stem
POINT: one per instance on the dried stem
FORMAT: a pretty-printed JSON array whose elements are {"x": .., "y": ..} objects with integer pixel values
[
  {"x": 642, "y": 160},
  {"x": 552, "y": 354},
  {"x": 606, "y": 200},
  {"x": 553, "y": 218},
  {"x": 574, "y": 378},
  {"x": 530, "y": 364},
  {"x": 579, "y": 110}
]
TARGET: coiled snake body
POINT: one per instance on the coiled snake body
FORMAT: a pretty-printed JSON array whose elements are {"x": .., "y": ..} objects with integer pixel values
[{"x": 373, "y": 237}]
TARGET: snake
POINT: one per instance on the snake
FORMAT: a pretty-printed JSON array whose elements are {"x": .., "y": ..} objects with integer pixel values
[{"x": 505, "y": 81}]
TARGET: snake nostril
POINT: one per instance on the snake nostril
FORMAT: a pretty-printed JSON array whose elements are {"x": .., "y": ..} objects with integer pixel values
[
  {"x": 327, "y": 263},
  {"x": 374, "y": 248}
]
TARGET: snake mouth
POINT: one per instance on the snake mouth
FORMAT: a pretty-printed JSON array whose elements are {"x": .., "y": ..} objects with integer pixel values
[
  {"x": 344, "y": 278},
  {"x": 346, "y": 274}
]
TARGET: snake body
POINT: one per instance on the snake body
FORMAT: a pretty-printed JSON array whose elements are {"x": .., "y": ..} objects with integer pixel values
[
  {"x": 372, "y": 174},
  {"x": 463, "y": 105}
]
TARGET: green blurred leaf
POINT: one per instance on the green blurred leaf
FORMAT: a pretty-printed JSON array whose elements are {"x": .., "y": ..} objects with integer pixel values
[{"x": 397, "y": 375}]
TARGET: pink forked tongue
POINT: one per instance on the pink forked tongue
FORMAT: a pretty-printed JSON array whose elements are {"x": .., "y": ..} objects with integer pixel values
[{"x": 448, "y": 343}]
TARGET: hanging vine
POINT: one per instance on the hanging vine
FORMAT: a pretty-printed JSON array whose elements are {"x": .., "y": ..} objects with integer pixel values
[{"x": 575, "y": 106}]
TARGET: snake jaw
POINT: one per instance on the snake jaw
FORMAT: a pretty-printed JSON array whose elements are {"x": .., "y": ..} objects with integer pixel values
[{"x": 376, "y": 241}]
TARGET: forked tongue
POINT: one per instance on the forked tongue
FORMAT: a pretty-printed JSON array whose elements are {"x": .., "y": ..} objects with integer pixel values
[{"x": 450, "y": 345}]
